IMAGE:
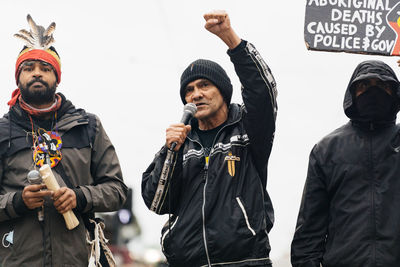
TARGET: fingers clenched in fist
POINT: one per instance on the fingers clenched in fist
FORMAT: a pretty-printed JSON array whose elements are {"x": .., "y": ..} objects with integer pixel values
[
  {"x": 176, "y": 133},
  {"x": 33, "y": 197},
  {"x": 64, "y": 199},
  {"x": 218, "y": 23}
]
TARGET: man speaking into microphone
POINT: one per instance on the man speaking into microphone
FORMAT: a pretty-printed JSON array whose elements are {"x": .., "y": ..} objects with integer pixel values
[{"x": 215, "y": 192}]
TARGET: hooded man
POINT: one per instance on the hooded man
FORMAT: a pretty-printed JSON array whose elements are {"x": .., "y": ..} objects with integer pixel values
[
  {"x": 349, "y": 215},
  {"x": 43, "y": 127},
  {"x": 221, "y": 211}
]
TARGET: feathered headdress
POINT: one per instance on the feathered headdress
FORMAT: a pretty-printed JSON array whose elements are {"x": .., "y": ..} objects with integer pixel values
[
  {"x": 37, "y": 37},
  {"x": 38, "y": 41}
]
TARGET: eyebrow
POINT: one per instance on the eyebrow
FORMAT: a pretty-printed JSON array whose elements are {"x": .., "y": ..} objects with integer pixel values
[
  {"x": 203, "y": 80},
  {"x": 31, "y": 62}
]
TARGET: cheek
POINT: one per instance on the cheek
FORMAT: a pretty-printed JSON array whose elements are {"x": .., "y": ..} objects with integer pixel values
[
  {"x": 187, "y": 98},
  {"x": 51, "y": 78},
  {"x": 22, "y": 79}
]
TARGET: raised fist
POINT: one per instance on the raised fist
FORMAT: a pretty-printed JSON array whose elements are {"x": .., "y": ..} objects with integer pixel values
[{"x": 218, "y": 23}]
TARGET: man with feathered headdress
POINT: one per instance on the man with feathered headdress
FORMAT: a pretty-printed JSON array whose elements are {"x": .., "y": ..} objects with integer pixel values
[{"x": 43, "y": 127}]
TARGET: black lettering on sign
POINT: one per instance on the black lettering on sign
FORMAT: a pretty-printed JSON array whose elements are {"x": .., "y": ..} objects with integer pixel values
[{"x": 355, "y": 26}]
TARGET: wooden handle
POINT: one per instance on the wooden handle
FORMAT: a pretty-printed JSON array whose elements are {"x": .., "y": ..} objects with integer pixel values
[{"x": 51, "y": 183}]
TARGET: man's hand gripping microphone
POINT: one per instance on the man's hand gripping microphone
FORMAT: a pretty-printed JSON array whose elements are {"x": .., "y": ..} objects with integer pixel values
[
  {"x": 188, "y": 112},
  {"x": 35, "y": 178}
]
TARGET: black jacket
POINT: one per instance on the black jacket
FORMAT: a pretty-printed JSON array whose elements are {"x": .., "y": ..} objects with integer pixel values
[
  {"x": 349, "y": 215},
  {"x": 221, "y": 217}
]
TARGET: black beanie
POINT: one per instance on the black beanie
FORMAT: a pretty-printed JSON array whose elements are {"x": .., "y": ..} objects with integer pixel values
[{"x": 207, "y": 69}]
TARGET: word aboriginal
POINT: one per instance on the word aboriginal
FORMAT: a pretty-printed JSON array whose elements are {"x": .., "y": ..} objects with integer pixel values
[{"x": 364, "y": 4}]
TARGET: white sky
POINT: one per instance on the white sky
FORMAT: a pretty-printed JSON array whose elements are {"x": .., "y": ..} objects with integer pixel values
[{"x": 122, "y": 60}]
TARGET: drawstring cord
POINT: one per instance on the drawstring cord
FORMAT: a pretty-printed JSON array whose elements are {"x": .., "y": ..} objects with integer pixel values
[
  {"x": 9, "y": 132},
  {"x": 32, "y": 130}
]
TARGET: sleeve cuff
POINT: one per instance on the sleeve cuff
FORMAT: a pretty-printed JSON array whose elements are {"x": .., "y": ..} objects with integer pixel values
[
  {"x": 240, "y": 46},
  {"x": 81, "y": 200},
  {"x": 19, "y": 204}
]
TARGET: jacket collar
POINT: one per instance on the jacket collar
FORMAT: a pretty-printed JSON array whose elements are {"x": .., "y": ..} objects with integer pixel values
[
  {"x": 372, "y": 126},
  {"x": 66, "y": 114},
  {"x": 234, "y": 115}
]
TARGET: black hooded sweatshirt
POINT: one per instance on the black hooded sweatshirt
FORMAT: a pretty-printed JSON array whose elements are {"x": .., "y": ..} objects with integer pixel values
[{"x": 350, "y": 210}]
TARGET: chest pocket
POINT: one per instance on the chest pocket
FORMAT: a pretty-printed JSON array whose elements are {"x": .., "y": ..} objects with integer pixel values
[{"x": 77, "y": 137}]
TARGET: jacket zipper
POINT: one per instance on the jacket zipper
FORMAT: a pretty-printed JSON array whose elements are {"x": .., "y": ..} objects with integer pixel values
[
  {"x": 205, "y": 178},
  {"x": 372, "y": 201},
  {"x": 204, "y": 202},
  {"x": 203, "y": 209}
]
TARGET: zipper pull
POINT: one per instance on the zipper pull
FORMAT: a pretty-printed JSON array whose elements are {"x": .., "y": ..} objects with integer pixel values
[
  {"x": 206, "y": 164},
  {"x": 205, "y": 168}
]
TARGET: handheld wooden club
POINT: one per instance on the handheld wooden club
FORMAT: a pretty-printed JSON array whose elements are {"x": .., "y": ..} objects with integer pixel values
[{"x": 51, "y": 183}]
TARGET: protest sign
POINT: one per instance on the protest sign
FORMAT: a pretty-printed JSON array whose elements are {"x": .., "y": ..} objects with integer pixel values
[{"x": 355, "y": 26}]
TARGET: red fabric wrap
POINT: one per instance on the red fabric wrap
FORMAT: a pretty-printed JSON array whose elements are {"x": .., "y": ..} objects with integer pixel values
[
  {"x": 14, "y": 97},
  {"x": 38, "y": 54},
  {"x": 40, "y": 112}
]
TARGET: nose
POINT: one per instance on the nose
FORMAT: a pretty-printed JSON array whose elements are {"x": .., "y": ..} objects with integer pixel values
[
  {"x": 37, "y": 73},
  {"x": 197, "y": 94}
]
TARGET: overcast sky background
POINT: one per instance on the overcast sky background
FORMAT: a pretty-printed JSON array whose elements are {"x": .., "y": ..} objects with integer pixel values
[{"x": 122, "y": 60}]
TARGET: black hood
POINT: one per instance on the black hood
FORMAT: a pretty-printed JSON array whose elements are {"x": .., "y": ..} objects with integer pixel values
[{"x": 365, "y": 70}]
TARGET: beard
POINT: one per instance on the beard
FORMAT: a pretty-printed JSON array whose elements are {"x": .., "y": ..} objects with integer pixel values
[{"x": 34, "y": 96}]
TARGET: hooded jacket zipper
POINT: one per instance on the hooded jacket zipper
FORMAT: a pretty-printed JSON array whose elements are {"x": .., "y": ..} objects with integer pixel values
[
  {"x": 204, "y": 196},
  {"x": 372, "y": 200},
  {"x": 205, "y": 178},
  {"x": 203, "y": 209}
]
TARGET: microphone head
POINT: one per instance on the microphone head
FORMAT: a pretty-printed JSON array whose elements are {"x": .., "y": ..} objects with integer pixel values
[
  {"x": 190, "y": 108},
  {"x": 34, "y": 177}
]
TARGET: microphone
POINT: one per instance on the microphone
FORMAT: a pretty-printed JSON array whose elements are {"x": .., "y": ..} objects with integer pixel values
[
  {"x": 35, "y": 178},
  {"x": 188, "y": 112}
]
